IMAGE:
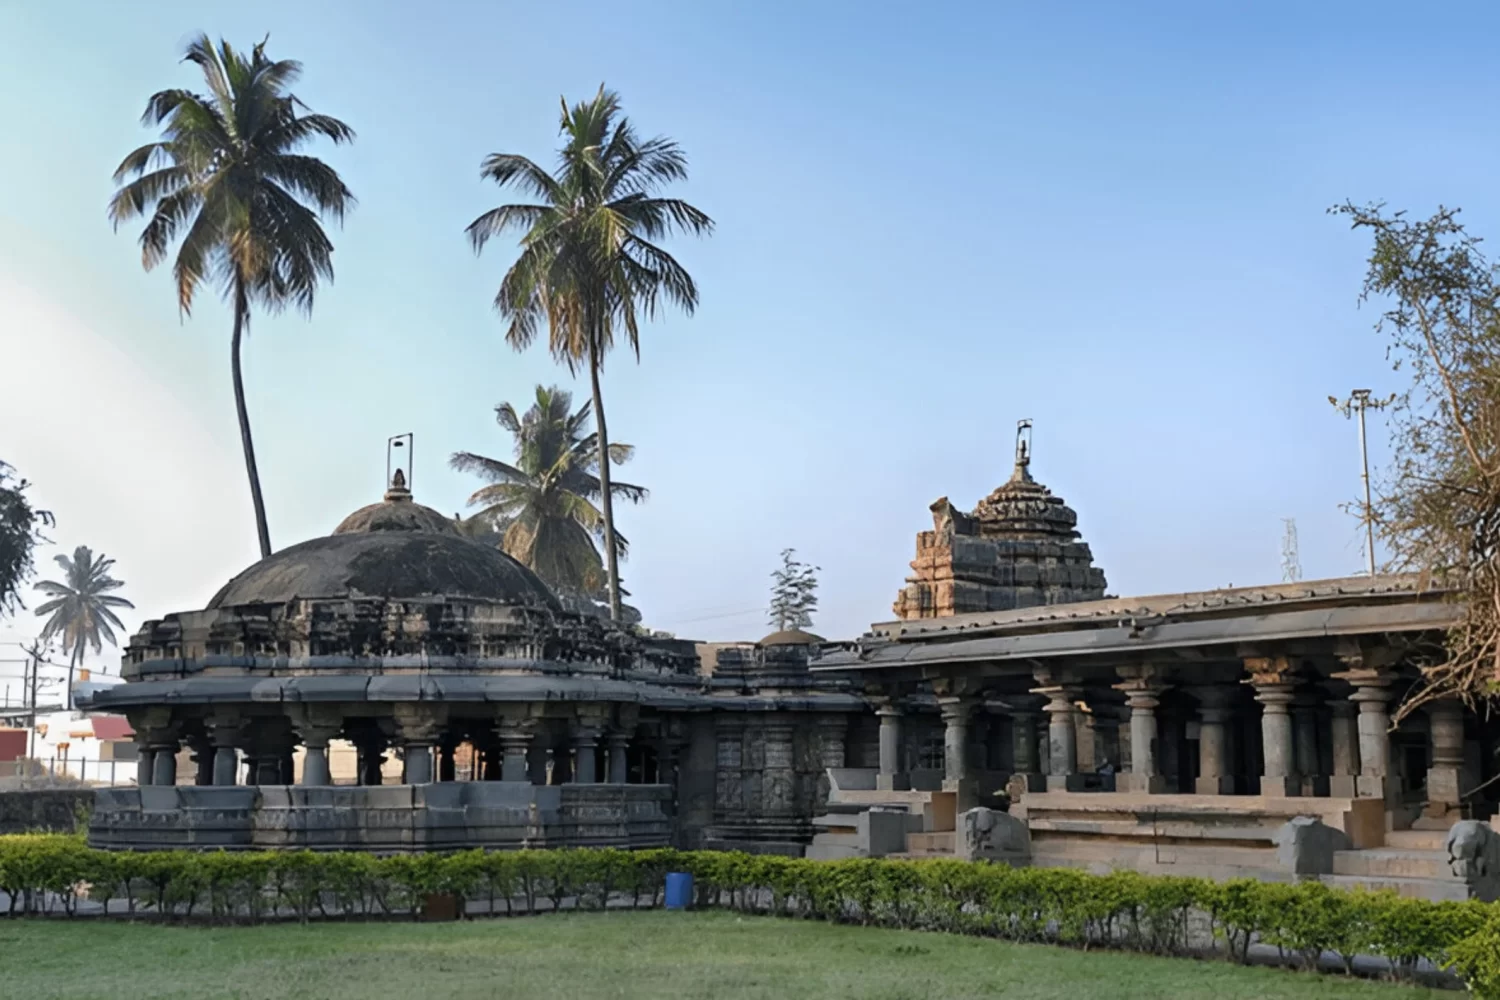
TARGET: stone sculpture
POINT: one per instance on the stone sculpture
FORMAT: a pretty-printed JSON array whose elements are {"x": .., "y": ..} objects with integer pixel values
[{"x": 1474, "y": 856}]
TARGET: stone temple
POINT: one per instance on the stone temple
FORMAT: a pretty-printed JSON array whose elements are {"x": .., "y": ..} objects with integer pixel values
[
  {"x": 416, "y": 645},
  {"x": 1012, "y": 710}
]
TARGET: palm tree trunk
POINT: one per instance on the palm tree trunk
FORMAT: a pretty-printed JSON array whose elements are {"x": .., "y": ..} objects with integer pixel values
[
  {"x": 241, "y": 320},
  {"x": 611, "y": 559},
  {"x": 73, "y": 662}
]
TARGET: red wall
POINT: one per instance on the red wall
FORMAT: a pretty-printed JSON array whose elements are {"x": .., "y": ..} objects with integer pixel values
[{"x": 12, "y": 744}]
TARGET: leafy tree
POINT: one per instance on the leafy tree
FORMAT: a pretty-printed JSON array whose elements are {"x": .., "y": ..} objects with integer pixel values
[
  {"x": 1438, "y": 507},
  {"x": 20, "y": 532},
  {"x": 794, "y": 593},
  {"x": 588, "y": 265},
  {"x": 543, "y": 507},
  {"x": 226, "y": 177},
  {"x": 79, "y": 609}
]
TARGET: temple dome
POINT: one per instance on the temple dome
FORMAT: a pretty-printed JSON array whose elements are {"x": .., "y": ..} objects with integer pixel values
[
  {"x": 396, "y": 549},
  {"x": 396, "y": 512},
  {"x": 792, "y": 637}
]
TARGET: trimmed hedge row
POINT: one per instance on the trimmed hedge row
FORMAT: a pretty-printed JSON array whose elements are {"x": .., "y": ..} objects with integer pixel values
[{"x": 1165, "y": 915}]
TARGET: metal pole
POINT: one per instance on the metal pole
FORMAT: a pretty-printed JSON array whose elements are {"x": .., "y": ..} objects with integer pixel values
[{"x": 1364, "y": 459}]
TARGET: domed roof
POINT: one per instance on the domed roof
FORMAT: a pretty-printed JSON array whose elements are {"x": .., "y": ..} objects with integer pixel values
[
  {"x": 396, "y": 549},
  {"x": 792, "y": 637},
  {"x": 397, "y": 512}
]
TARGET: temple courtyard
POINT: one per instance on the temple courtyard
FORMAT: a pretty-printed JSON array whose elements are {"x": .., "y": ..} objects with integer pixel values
[{"x": 646, "y": 954}]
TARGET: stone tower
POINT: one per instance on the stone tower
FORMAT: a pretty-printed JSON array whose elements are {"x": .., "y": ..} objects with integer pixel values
[{"x": 1020, "y": 548}]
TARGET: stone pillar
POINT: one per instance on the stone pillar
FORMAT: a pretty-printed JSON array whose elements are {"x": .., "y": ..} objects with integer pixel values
[
  {"x": 515, "y": 747},
  {"x": 1062, "y": 746},
  {"x": 892, "y": 776},
  {"x": 371, "y": 764},
  {"x": 1343, "y": 734},
  {"x": 832, "y": 735},
  {"x": 1142, "y": 687},
  {"x": 1371, "y": 692},
  {"x": 316, "y": 726},
  {"x": 145, "y": 761},
  {"x": 1274, "y": 683},
  {"x": 619, "y": 746},
  {"x": 1214, "y": 777},
  {"x": 1027, "y": 775},
  {"x": 1446, "y": 724},
  {"x": 224, "y": 734},
  {"x": 417, "y": 726},
  {"x": 1305, "y": 724},
  {"x": 585, "y": 745},
  {"x": 163, "y": 759},
  {"x": 956, "y": 712}
]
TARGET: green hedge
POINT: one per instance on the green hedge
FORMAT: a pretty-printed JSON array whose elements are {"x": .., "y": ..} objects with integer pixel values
[{"x": 1165, "y": 915}]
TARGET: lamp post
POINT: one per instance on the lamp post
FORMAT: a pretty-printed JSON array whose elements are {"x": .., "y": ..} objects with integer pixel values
[{"x": 1358, "y": 402}]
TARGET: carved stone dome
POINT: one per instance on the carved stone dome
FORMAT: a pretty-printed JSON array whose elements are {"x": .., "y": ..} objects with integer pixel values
[
  {"x": 396, "y": 549},
  {"x": 792, "y": 637},
  {"x": 396, "y": 512}
]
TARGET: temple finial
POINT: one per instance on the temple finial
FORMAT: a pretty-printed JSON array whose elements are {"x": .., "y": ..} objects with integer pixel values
[
  {"x": 398, "y": 457},
  {"x": 1023, "y": 451}
]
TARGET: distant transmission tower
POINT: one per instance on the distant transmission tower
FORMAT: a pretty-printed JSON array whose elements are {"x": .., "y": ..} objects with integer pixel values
[{"x": 1291, "y": 565}]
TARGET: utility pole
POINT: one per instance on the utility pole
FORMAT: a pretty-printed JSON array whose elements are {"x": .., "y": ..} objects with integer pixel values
[
  {"x": 1358, "y": 402},
  {"x": 34, "y": 656}
]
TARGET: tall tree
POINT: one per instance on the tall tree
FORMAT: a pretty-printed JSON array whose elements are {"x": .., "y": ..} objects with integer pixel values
[
  {"x": 1438, "y": 506},
  {"x": 794, "y": 593},
  {"x": 543, "y": 505},
  {"x": 80, "y": 607},
  {"x": 588, "y": 265},
  {"x": 227, "y": 177},
  {"x": 20, "y": 532}
]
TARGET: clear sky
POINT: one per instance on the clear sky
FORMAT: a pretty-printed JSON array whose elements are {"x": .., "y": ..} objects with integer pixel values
[{"x": 933, "y": 220}]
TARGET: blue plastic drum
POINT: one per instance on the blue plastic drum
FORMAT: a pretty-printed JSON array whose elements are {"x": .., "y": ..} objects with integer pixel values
[{"x": 679, "y": 890}]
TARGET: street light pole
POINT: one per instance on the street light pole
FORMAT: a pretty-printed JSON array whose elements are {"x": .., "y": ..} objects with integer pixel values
[{"x": 1359, "y": 400}]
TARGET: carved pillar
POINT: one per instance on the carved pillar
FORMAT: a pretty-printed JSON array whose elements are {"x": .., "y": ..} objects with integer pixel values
[
  {"x": 224, "y": 735},
  {"x": 892, "y": 776},
  {"x": 1305, "y": 723},
  {"x": 317, "y": 726},
  {"x": 956, "y": 712},
  {"x": 516, "y": 736},
  {"x": 1027, "y": 777},
  {"x": 1371, "y": 693},
  {"x": 1142, "y": 687},
  {"x": 417, "y": 726},
  {"x": 1446, "y": 725},
  {"x": 371, "y": 761},
  {"x": 1214, "y": 777},
  {"x": 619, "y": 747},
  {"x": 1274, "y": 683},
  {"x": 1343, "y": 734},
  {"x": 1062, "y": 745},
  {"x": 145, "y": 761},
  {"x": 585, "y": 736},
  {"x": 164, "y": 757}
]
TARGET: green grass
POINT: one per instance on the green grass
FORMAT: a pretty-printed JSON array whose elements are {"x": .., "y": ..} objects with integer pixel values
[{"x": 594, "y": 955}]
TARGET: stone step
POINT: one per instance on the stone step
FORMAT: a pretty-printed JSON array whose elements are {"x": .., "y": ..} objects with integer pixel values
[
  {"x": 830, "y": 839},
  {"x": 1416, "y": 840},
  {"x": 1390, "y": 862},
  {"x": 928, "y": 844},
  {"x": 1434, "y": 890}
]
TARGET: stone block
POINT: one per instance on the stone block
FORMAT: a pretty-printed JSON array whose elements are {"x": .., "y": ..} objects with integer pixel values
[
  {"x": 991, "y": 835},
  {"x": 1223, "y": 785},
  {"x": 1149, "y": 784},
  {"x": 1306, "y": 846},
  {"x": 1343, "y": 786},
  {"x": 1280, "y": 788}
]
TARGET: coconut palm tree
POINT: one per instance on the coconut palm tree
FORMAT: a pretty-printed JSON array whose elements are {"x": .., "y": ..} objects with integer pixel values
[
  {"x": 227, "y": 178},
  {"x": 543, "y": 507},
  {"x": 79, "y": 609},
  {"x": 588, "y": 265}
]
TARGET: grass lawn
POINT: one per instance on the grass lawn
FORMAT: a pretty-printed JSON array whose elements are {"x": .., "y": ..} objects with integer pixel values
[{"x": 650, "y": 954}]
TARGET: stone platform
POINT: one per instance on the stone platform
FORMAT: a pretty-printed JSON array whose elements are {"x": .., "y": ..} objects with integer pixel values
[{"x": 381, "y": 818}]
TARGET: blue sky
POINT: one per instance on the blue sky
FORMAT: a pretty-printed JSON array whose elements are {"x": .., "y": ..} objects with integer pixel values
[{"x": 933, "y": 220}]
